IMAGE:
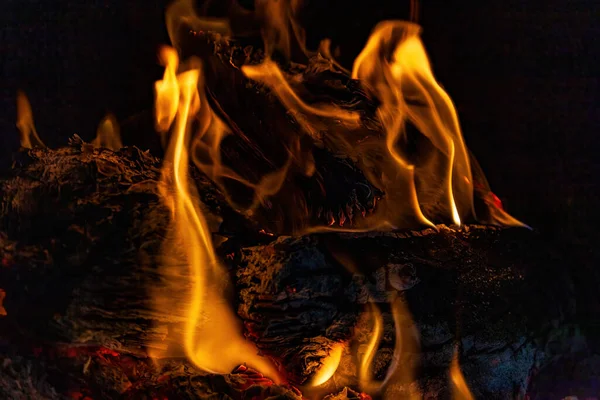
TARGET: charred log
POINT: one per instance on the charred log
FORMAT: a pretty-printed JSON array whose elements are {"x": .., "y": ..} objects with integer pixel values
[
  {"x": 495, "y": 292},
  {"x": 81, "y": 239},
  {"x": 82, "y": 231}
]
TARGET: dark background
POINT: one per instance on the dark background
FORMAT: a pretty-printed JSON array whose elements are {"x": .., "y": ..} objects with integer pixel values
[{"x": 522, "y": 75}]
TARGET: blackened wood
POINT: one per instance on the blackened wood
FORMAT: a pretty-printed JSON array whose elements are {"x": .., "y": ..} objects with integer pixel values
[
  {"x": 82, "y": 372},
  {"x": 497, "y": 293},
  {"x": 81, "y": 243}
]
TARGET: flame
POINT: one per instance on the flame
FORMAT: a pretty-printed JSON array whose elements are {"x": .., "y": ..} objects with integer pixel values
[
  {"x": 460, "y": 389},
  {"x": 277, "y": 17},
  {"x": 400, "y": 370},
  {"x": 107, "y": 134},
  {"x": 29, "y": 136},
  {"x": 365, "y": 379},
  {"x": 411, "y": 148},
  {"x": 269, "y": 73},
  {"x": 430, "y": 183},
  {"x": 406, "y": 344},
  {"x": 329, "y": 366},
  {"x": 166, "y": 91},
  {"x": 213, "y": 338},
  {"x": 393, "y": 67}
]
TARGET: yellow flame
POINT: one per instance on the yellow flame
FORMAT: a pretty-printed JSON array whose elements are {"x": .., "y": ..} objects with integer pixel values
[
  {"x": 405, "y": 346},
  {"x": 433, "y": 183},
  {"x": 205, "y": 145},
  {"x": 108, "y": 135},
  {"x": 329, "y": 366},
  {"x": 29, "y": 136},
  {"x": 460, "y": 389},
  {"x": 394, "y": 68},
  {"x": 213, "y": 337},
  {"x": 365, "y": 378},
  {"x": 166, "y": 91}
]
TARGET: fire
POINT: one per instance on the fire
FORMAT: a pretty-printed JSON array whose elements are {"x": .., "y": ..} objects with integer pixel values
[
  {"x": 330, "y": 365},
  {"x": 460, "y": 389},
  {"x": 29, "y": 136},
  {"x": 427, "y": 177},
  {"x": 414, "y": 153},
  {"x": 408, "y": 92},
  {"x": 400, "y": 371},
  {"x": 108, "y": 135},
  {"x": 213, "y": 337},
  {"x": 166, "y": 91}
]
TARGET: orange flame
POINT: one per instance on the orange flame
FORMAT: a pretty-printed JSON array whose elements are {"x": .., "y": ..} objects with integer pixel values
[
  {"x": 433, "y": 183},
  {"x": 365, "y": 379},
  {"x": 394, "y": 68},
  {"x": 108, "y": 135},
  {"x": 166, "y": 91},
  {"x": 213, "y": 338},
  {"x": 460, "y": 389},
  {"x": 330, "y": 365},
  {"x": 427, "y": 176},
  {"x": 400, "y": 371},
  {"x": 29, "y": 136}
]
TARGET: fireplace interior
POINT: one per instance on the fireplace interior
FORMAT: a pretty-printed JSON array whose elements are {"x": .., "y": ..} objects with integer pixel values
[{"x": 209, "y": 200}]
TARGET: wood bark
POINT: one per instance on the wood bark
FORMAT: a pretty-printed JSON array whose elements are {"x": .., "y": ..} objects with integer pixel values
[{"x": 82, "y": 230}]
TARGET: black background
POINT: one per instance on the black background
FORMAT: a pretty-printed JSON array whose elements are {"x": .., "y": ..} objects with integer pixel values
[{"x": 523, "y": 75}]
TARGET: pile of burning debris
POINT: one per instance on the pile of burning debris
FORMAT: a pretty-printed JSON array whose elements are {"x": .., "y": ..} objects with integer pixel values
[{"x": 312, "y": 232}]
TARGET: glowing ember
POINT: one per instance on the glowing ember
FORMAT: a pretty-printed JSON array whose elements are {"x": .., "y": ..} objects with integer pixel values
[{"x": 2, "y": 297}]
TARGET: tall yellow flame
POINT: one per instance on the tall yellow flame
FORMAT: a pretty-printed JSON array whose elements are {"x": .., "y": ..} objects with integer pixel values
[
  {"x": 108, "y": 135},
  {"x": 213, "y": 336},
  {"x": 394, "y": 68},
  {"x": 29, "y": 136}
]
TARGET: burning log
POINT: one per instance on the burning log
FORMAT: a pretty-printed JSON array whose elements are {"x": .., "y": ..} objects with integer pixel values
[
  {"x": 82, "y": 233},
  {"x": 489, "y": 290},
  {"x": 322, "y": 184}
]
